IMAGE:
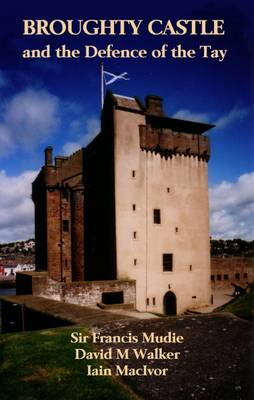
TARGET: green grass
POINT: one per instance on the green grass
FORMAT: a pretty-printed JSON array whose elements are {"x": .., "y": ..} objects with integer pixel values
[
  {"x": 242, "y": 307},
  {"x": 40, "y": 365}
]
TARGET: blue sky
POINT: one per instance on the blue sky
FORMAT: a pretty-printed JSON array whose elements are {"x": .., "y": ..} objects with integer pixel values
[{"x": 57, "y": 102}]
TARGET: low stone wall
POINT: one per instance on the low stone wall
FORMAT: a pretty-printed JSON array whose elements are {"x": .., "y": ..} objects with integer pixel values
[
  {"x": 236, "y": 270},
  {"x": 44, "y": 286},
  {"x": 90, "y": 293},
  {"x": 86, "y": 293}
]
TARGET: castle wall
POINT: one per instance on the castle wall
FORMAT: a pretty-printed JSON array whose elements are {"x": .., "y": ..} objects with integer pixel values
[
  {"x": 72, "y": 168},
  {"x": 59, "y": 254},
  {"x": 59, "y": 215},
  {"x": 177, "y": 186},
  {"x": 90, "y": 293},
  {"x": 82, "y": 293},
  {"x": 99, "y": 204},
  {"x": 184, "y": 230},
  {"x": 129, "y": 191},
  {"x": 77, "y": 233},
  {"x": 236, "y": 270},
  {"x": 40, "y": 218},
  {"x": 54, "y": 239}
]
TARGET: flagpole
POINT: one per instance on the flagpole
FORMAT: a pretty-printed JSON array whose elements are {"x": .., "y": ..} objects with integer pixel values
[{"x": 102, "y": 85}]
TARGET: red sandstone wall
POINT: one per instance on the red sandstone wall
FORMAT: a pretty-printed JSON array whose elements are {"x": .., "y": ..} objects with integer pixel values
[
  {"x": 166, "y": 140},
  {"x": 237, "y": 270},
  {"x": 77, "y": 213},
  {"x": 54, "y": 235}
]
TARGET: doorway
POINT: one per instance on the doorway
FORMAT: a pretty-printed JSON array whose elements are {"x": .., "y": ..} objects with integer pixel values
[{"x": 170, "y": 303}]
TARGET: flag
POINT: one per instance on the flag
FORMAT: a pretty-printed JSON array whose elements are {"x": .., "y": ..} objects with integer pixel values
[{"x": 112, "y": 77}]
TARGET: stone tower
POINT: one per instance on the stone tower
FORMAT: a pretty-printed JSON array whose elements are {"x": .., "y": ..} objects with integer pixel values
[
  {"x": 58, "y": 195},
  {"x": 137, "y": 207}
]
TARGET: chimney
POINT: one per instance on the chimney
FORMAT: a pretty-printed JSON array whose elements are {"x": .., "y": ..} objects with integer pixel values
[
  {"x": 48, "y": 156},
  {"x": 154, "y": 105}
]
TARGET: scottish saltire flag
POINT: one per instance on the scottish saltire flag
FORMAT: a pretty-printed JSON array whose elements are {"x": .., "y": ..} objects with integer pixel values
[{"x": 111, "y": 78}]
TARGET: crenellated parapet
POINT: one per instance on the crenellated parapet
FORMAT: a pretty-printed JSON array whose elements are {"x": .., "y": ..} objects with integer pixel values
[{"x": 167, "y": 142}]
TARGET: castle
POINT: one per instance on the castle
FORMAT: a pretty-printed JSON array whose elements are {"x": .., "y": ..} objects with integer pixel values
[{"x": 130, "y": 209}]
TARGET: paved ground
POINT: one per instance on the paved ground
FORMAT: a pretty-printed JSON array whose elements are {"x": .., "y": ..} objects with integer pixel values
[
  {"x": 220, "y": 297},
  {"x": 134, "y": 314},
  {"x": 216, "y": 361}
]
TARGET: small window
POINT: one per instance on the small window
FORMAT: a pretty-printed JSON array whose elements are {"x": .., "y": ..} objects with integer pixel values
[
  {"x": 190, "y": 267},
  {"x": 135, "y": 261},
  {"x": 134, "y": 235},
  {"x": 176, "y": 229},
  {"x": 147, "y": 301},
  {"x": 133, "y": 207},
  {"x": 66, "y": 263},
  {"x": 225, "y": 276},
  {"x": 219, "y": 277},
  {"x": 194, "y": 297},
  {"x": 156, "y": 216},
  {"x": 167, "y": 260},
  {"x": 65, "y": 225},
  {"x": 237, "y": 276},
  {"x": 245, "y": 275},
  {"x": 168, "y": 189},
  {"x": 154, "y": 301},
  {"x": 212, "y": 277},
  {"x": 133, "y": 173}
]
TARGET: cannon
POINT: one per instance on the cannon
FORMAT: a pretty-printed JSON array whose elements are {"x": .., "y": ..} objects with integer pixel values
[{"x": 239, "y": 290}]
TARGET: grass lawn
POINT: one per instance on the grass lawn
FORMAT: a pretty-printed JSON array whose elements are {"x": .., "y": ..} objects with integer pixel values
[
  {"x": 242, "y": 307},
  {"x": 40, "y": 365}
]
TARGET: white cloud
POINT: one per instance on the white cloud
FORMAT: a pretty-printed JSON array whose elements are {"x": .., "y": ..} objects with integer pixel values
[
  {"x": 236, "y": 114},
  {"x": 232, "y": 209},
  {"x": 191, "y": 116},
  {"x": 6, "y": 144},
  {"x": 233, "y": 115},
  {"x": 16, "y": 206},
  {"x": 32, "y": 115},
  {"x": 85, "y": 130},
  {"x": 70, "y": 148},
  {"x": 28, "y": 118}
]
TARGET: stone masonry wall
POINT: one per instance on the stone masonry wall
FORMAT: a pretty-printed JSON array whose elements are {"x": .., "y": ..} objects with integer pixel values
[
  {"x": 86, "y": 293},
  {"x": 237, "y": 270},
  {"x": 77, "y": 232},
  {"x": 165, "y": 141},
  {"x": 90, "y": 293}
]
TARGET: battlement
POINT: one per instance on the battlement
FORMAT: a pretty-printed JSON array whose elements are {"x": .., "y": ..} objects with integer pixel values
[
  {"x": 72, "y": 166},
  {"x": 167, "y": 142}
]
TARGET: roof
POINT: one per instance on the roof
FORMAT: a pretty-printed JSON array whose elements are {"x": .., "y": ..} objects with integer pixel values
[
  {"x": 178, "y": 125},
  {"x": 159, "y": 121},
  {"x": 125, "y": 102}
]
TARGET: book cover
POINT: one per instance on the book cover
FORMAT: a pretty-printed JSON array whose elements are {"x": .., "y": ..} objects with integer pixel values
[{"x": 126, "y": 151}]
